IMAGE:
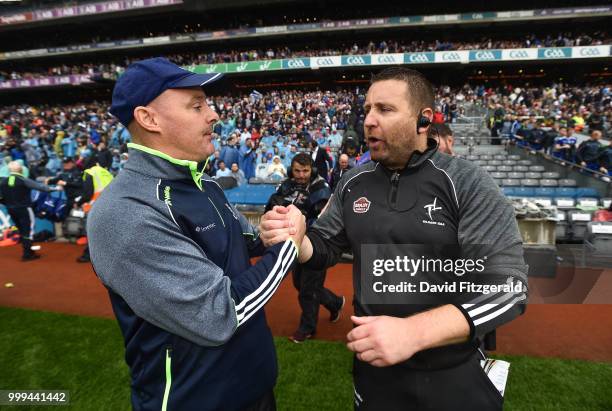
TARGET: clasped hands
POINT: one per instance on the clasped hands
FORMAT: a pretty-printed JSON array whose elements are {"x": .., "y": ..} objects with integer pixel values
[
  {"x": 380, "y": 341},
  {"x": 281, "y": 224}
]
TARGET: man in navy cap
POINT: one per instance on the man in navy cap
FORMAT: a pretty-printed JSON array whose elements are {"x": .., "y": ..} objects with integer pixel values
[{"x": 175, "y": 255}]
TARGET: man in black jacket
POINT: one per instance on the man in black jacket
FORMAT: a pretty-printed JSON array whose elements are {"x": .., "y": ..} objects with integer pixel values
[
  {"x": 309, "y": 192},
  {"x": 339, "y": 170},
  {"x": 589, "y": 151},
  {"x": 71, "y": 179},
  {"x": 102, "y": 155},
  {"x": 419, "y": 350},
  {"x": 15, "y": 192},
  {"x": 321, "y": 159}
]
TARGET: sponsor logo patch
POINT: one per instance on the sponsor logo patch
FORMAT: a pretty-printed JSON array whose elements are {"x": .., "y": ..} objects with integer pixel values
[{"x": 361, "y": 205}]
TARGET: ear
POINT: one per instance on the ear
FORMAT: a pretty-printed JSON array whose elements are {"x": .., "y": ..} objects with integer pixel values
[
  {"x": 146, "y": 117},
  {"x": 427, "y": 113}
]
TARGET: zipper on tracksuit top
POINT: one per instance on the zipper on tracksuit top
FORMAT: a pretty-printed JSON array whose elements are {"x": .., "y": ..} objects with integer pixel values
[{"x": 394, "y": 185}]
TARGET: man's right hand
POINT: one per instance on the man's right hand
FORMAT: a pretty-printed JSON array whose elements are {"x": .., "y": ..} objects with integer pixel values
[
  {"x": 282, "y": 223},
  {"x": 298, "y": 222}
]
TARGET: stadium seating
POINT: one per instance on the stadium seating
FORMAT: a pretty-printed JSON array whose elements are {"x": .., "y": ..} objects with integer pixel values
[
  {"x": 598, "y": 240},
  {"x": 579, "y": 221},
  {"x": 549, "y": 183},
  {"x": 253, "y": 195}
]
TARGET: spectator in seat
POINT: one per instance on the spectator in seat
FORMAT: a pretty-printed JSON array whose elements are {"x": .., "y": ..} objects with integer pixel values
[
  {"x": 595, "y": 121},
  {"x": 537, "y": 137},
  {"x": 350, "y": 149},
  {"x": 565, "y": 146},
  {"x": 261, "y": 170},
  {"x": 339, "y": 170},
  {"x": 549, "y": 138},
  {"x": 213, "y": 164},
  {"x": 276, "y": 169},
  {"x": 102, "y": 155},
  {"x": 248, "y": 157},
  {"x": 321, "y": 159},
  {"x": 605, "y": 160},
  {"x": 238, "y": 174},
  {"x": 335, "y": 139},
  {"x": 497, "y": 122},
  {"x": 223, "y": 171},
  {"x": 588, "y": 152},
  {"x": 229, "y": 153},
  {"x": 523, "y": 134}
]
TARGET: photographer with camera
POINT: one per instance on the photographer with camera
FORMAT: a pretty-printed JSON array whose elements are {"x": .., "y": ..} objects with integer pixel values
[{"x": 309, "y": 192}]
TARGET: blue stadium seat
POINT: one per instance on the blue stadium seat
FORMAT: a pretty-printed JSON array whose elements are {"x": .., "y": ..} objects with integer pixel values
[
  {"x": 565, "y": 192},
  {"x": 524, "y": 191},
  {"x": 234, "y": 195},
  {"x": 257, "y": 195},
  {"x": 508, "y": 191},
  {"x": 587, "y": 192},
  {"x": 545, "y": 192}
]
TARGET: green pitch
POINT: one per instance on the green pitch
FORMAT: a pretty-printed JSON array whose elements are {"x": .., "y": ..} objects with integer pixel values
[{"x": 40, "y": 350}]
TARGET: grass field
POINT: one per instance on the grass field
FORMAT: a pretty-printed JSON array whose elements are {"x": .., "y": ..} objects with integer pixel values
[{"x": 85, "y": 356}]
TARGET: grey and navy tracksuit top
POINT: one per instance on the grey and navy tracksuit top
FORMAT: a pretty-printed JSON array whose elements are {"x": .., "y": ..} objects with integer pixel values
[
  {"x": 436, "y": 199},
  {"x": 175, "y": 258}
]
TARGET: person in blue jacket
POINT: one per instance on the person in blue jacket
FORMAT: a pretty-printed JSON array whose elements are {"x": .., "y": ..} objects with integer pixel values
[{"x": 174, "y": 255}]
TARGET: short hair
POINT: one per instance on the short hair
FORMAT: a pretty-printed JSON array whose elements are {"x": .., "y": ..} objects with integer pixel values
[
  {"x": 441, "y": 130},
  {"x": 420, "y": 90},
  {"x": 302, "y": 159},
  {"x": 15, "y": 167}
]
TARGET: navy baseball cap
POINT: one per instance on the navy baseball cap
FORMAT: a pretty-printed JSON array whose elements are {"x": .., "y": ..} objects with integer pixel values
[{"x": 144, "y": 80}]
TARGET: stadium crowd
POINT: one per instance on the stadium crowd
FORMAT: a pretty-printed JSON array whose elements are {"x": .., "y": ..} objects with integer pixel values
[
  {"x": 114, "y": 68},
  {"x": 258, "y": 134}
]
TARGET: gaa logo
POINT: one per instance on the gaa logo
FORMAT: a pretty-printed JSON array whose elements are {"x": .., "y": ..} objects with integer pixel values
[
  {"x": 590, "y": 52},
  {"x": 361, "y": 205},
  {"x": 519, "y": 54},
  {"x": 242, "y": 67},
  {"x": 211, "y": 69},
  {"x": 296, "y": 63},
  {"x": 554, "y": 53},
  {"x": 355, "y": 60},
  {"x": 325, "y": 62},
  {"x": 386, "y": 59},
  {"x": 265, "y": 66},
  {"x": 418, "y": 58},
  {"x": 484, "y": 55},
  {"x": 451, "y": 57}
]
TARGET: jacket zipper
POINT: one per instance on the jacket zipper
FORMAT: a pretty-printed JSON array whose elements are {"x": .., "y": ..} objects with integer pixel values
[
  {"x": 394, "y": 184},
  {"x": 168, "y": 369}
]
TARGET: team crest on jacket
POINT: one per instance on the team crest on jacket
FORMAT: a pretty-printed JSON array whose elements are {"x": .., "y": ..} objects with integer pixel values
[{"x": 361, "y": 205}]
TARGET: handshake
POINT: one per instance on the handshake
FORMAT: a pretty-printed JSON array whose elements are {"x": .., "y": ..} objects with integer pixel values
[{"x": 281, "y": 224}]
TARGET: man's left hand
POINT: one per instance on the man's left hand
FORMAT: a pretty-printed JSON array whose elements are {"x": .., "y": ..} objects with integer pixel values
[{"x": 382, "y": 341}]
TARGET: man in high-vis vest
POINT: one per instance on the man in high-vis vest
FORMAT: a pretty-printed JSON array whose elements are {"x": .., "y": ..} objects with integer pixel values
[{"x": 95, "y": 179}]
